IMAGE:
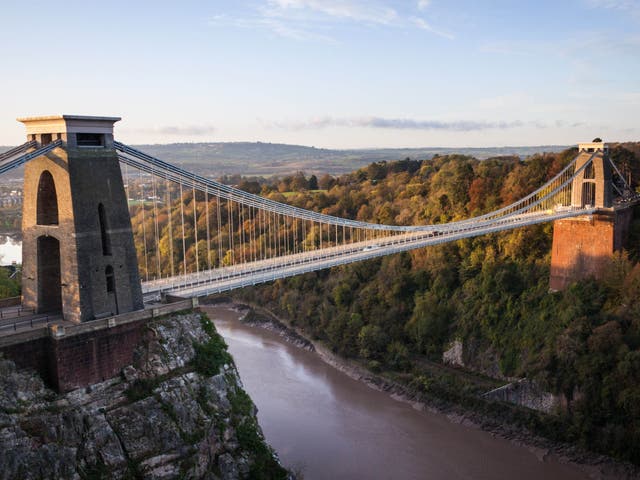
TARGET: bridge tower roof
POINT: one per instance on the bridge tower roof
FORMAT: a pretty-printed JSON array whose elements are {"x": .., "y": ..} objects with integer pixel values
[
  {"x": 69, "y": 124},
  {"x": 593, "y": 147}
]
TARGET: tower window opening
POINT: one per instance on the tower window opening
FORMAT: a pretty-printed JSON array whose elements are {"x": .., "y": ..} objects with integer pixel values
[
  {"x": 111, "y": 282},
  {"x": 46, "y": 139},
  {"x": 90, "y": 139},
  {"x": 104, "y": 227}
]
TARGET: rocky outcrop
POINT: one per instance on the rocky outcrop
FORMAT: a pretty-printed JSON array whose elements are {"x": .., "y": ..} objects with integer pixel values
[
  {"x": 523, "y": 392},
  {"x": 453, "y": 355},
  {"x": 178, "y": 412},
  {"x": 528, "y": 394}
]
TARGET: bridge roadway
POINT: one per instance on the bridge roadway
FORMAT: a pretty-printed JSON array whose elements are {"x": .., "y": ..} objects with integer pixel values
[{"x": 224, "y": 279}]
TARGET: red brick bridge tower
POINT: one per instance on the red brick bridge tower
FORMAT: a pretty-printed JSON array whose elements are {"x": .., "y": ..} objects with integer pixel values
[
  {"x": 78, "y": 254},
  {"x": 583, "y": 245}
]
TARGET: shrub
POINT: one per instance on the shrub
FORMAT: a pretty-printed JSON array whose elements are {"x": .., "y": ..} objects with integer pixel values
[{"x": 211, "y": 356}]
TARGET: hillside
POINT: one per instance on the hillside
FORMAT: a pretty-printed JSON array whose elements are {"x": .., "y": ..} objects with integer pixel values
[
  {"x": 488, "y": 297},
  {"x": 266, "y": 159}
]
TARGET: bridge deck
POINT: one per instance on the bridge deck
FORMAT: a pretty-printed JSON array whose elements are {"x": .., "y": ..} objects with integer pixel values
[{"x": 252, "y": 273}]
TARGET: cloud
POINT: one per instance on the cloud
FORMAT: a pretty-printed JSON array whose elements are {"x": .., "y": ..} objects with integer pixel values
[
  {"x": 622, "y": 5},
  {"x": 177, "y": 130},
  {"x": 360, "y": 11},
  {"x": 403, "y": 124},
  {"x": 630, "y": 7},
  {"x": 302, "y": 31},
  {"x": 423, "y": 4},
  {"x": 422, "y": 24},
  {"x": 508, "y": 48},
  {"x": 603, "y": 45},
  {"x": 316, "y": 20}
]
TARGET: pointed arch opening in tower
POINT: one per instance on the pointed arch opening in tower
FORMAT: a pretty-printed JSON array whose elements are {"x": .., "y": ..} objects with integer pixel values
[
  {"x": 49, "y": 275},
  {"x": 104, "y": 230},
  {"x": 47, "y": 201},
  {"x": 589, "y": 172},
  {"x": 588, "y": 194}
]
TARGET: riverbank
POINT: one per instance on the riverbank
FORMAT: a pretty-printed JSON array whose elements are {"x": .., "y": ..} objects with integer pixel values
[{"x": 491, "y": 417}]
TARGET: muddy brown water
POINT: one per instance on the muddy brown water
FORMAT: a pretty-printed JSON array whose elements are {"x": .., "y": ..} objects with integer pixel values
[{"x": 331, "y": 426}]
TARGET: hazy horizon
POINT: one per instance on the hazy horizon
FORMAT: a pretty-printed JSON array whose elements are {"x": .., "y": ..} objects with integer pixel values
[{"x": 421, "y": 147}]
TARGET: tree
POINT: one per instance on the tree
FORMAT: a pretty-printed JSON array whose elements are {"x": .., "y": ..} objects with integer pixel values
[
  {"x": 299, "y": 182},
  {"x": 429, "y": 324},
  {"x": 372, "y": 341},
  {"x": 326, "y": 182},
  {"x": 8, "y": 286}
]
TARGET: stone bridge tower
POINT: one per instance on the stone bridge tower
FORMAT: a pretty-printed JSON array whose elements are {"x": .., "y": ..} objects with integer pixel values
[
  {"x": 78, "y": 255},
  {"x": 592, "y": 186},
  {"x": 583, "y": 245}
]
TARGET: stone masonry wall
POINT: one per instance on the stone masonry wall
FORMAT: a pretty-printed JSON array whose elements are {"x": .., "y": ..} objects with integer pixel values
[
  {"x": 92, "y": 357},
  {"x": 86, "y": 353},
  {"x": 583, "y": 245}
]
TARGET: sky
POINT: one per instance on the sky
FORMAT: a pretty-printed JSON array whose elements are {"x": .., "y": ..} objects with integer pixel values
[{"x": 328, "y": 73}]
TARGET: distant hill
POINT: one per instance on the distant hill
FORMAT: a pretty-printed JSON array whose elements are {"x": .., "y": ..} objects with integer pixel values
[
  {"x": 265, "y": 159},
  {"x": 275, "y": 159}
]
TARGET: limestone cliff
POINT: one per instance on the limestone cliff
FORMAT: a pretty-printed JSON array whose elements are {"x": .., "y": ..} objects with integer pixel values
[{"x": 179, "y": 412}]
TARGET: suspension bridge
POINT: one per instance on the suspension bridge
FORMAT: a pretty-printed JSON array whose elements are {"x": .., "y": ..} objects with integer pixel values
[
  {"x": 196, "y": 236},
  {"x": 271, "y": 240},
  {"x": 111, "y": 236}
]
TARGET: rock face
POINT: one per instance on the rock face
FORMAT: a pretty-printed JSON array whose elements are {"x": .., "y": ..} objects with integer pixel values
[
  {"x": 453, "y": 356},
  {"x": 527, "y": 393},
  {"x": 179, "y": 412}
]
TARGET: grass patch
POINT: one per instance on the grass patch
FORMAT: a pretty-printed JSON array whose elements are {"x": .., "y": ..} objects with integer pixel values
[
  {"x": 134, "y": 471},
  {"x": 207, "y": 325},
  {"x": 170, "y": 410},
  {"x": 99, "y": 471},
  {"x": 211, "y": 356},
  {"x": 241, "y": 403},
  {"x": 265, "y": 466},
  {"x": 141, "y": 388},
  {"x": 193, "y": 437}
]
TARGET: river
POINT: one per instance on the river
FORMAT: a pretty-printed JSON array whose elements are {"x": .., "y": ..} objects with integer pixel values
[
  {"x": 330, "y": 426},
  {"x": 10, "y": 250}
]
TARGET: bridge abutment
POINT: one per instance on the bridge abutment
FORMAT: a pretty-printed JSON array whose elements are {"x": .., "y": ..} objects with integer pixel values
[
  {"x": 77, "y": 355},
  {"x": 582, "y": 246}
]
